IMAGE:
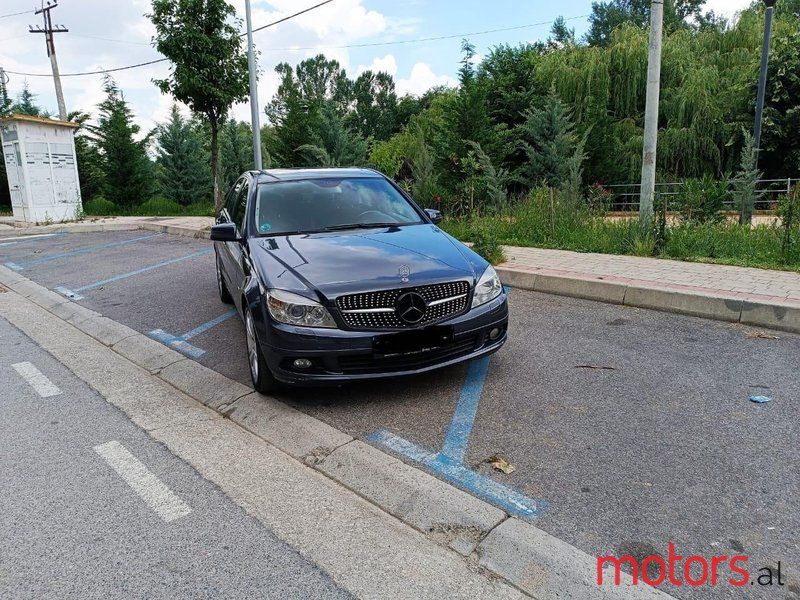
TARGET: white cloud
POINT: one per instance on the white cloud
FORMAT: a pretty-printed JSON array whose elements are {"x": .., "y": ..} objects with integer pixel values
[
  {"x": 421, "y": 80},
  {"x": 387, "y": 64},
  {"x": 726, "y": 8}
]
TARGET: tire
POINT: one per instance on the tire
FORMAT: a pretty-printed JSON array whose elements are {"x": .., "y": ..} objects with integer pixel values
[
  {"x": 224, "y": 294},
  {"x": 263, "y": 380}
]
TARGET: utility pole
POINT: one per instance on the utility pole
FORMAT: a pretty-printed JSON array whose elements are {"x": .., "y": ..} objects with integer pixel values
[
  {"x": 251, "y": 63},
  {"x": 651, "y": 112},
  {"x": 48, "y": 32},
  {"x": 747, "y": 208}
]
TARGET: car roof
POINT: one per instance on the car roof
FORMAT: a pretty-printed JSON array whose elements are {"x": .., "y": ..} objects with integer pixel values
[{"x": 305, "y": 173}]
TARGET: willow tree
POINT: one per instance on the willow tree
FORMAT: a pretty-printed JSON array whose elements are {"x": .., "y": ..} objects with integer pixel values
[{"x": 209, "y": 63}]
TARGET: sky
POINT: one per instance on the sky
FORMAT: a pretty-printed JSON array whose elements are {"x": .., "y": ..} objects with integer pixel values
[{"x": 360, "y": 34}]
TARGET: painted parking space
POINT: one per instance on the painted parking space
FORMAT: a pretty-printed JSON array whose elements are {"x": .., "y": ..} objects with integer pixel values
[{"x": 628, "y": 429}]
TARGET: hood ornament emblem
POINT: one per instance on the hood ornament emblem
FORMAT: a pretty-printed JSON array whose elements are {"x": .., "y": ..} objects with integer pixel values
[{"x": 404, "y": 271}]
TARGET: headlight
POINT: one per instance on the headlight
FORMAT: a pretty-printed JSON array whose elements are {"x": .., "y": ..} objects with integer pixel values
[
  {"x": 488, "y": 288},
  {"x": 292, "y": 309}
]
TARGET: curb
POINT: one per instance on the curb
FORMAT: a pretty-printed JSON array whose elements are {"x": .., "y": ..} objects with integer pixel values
[
  {"x": 179, "y": 230},
  {"x": 533, "y": 561},
  {"x": 709, "y": 305}
]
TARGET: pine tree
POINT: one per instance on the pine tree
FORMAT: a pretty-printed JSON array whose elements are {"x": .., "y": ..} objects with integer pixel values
[
  {"x": 550, "y": 144},
  {"x": 127, "y": 170},
  {"x": 90, "y": 162},
  {"x": 26, "y": 103},
  {"x": 183, "y": 167},
  {"x": 236, "y": 151}
]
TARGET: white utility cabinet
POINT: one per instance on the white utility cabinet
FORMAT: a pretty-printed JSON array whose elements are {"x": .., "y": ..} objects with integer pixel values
[{"x": 42, "y": 170}]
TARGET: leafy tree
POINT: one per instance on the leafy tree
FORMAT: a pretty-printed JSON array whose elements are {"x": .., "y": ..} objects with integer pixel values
[
  {"x": 209, "y": 64},
  {"x": 127, "y": 171},
  {"x": 374, "y": 102},
  {"x": 181, "y": 160},
  {"x": 550, "y": 143},
  {"x": 466, "y": 119},
  {"x": 780, "y": 144},
  {"x": 611, "y": 14},
  {"x": 88, "y": 157}
]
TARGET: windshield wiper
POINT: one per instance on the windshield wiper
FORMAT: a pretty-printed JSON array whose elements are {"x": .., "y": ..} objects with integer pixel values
[{"x": 360, "y": 226}]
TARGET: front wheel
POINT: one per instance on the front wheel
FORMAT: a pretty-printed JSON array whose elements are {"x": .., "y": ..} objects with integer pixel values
[{"x": 263, "y": 380}]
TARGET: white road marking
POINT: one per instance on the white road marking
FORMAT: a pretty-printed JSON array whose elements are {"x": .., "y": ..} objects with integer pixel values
[
  {"x": 43, "y": 386},
  {"x": 22, "y": 238},
  {"x": 149, "y": 487}
]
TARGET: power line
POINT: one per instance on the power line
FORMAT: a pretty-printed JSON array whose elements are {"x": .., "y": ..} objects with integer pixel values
[
  {"x": 159, "y": 60},
  {"x": 286, "y": 49},
  {"x": 426, "y": 39},
  {"x": 297, "y": 14},
  {"x": 24, "y": 12}
]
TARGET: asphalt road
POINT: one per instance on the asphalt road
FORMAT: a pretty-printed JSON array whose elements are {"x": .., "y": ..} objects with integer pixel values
[
  {"x": 660, "y": 446},
  {"x": 72, "y": 526}
]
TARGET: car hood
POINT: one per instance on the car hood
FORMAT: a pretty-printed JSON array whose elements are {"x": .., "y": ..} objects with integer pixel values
[{"x": 363, "y": 260}]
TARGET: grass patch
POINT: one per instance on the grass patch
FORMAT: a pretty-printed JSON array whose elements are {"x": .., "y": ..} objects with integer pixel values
[
  {"x": 536, "y": 222},
  {"x": 155, "y": 207}
]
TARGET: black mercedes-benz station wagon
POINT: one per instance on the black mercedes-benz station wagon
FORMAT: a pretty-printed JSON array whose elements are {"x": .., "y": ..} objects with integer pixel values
[{"x": 340, "y": 276}]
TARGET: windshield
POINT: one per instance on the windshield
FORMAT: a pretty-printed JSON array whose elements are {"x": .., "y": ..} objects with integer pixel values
[{"x": 315, "y": 205}]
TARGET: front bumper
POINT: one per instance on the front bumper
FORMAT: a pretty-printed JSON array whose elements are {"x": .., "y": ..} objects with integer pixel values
[{"x": 340, "y": 356}]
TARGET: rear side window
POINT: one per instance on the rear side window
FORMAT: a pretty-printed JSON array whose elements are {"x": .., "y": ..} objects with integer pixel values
[
  {"x": 230, "y": 198},
  {"x": 239, "y": 202}
]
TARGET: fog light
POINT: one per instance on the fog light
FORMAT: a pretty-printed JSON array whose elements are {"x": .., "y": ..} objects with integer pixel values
[
  {"x": 302, "y": 363},
  {"x": 495, "y": 333}
]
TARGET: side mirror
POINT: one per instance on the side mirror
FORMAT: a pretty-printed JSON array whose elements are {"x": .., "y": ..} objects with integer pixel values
[
  {"x": 224, "y": 232},
  {"x": 433, "y": 215}
]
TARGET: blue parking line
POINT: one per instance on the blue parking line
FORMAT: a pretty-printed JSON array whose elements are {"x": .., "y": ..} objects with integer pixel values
[
  {"x": 504, "y": 497},
  {"x": 455, "y": 442},
  {"x": 78, "y": 251},
  {"x": 74, "y": 294},
  {"x": 179, "y": 343},
  {"x": 208, "y": 325},
  {"x": 449, "y": 463}
]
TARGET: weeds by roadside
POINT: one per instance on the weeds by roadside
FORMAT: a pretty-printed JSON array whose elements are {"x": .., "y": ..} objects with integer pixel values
[{"x": 534, "y": 221}]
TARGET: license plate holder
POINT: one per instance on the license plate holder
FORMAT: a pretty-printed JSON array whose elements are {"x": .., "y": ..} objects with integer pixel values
[{"x": 412, "y": 342}]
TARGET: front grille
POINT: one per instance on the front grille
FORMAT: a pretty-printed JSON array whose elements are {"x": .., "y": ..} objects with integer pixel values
[
  {"x": 370, "y": 364},
  {"x": 375, "y": 310}
]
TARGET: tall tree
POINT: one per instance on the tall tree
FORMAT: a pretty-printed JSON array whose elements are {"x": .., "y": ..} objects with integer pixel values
[
  {"x": 26, "y": 103},
  {"x": 5, "y": 100},
  {"x": 181, "y": 161},
  {"x": 209, "y": 63},
  {"x": 336, "y": 144},
  {"x": 550, "y": 143},
  {"x": 236, "y": 151},
  {"x": 608, "y": 15},
  {"x": 374, "y": 102},
  {"x": 87, "y": 155},
  {"x": 561, "y": 36},
  {"x": 127, "y": 171}
]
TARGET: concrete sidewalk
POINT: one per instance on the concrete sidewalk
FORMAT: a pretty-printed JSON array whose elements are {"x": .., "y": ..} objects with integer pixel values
[{"x": 757, "y": 297}]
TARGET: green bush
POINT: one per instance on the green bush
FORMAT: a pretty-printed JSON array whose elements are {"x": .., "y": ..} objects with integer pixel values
[
  {"x": 702, "y": 200},
  {"x": 200, "y": 209},
  {"x": 99, "y": 207},
  {"x": 158, "y": 207},
  {"x": 486, "y": 244}
]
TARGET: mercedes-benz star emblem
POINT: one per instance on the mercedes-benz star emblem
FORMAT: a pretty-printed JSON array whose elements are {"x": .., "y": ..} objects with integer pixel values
[
  {"x": 404, "y": 271},
  {"x": 410, "y": 308}
]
